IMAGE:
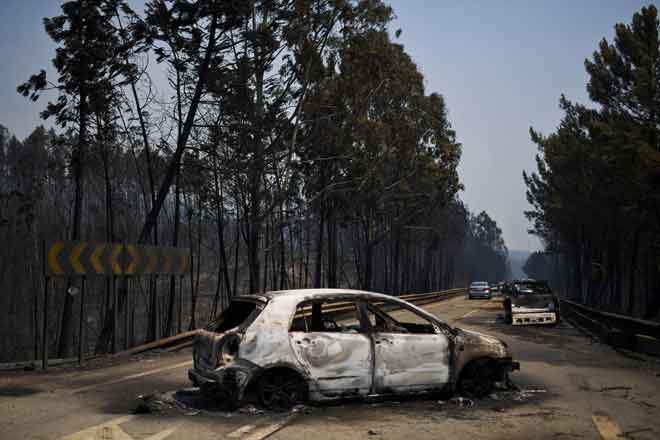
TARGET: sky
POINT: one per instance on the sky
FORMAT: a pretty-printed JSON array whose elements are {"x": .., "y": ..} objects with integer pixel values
[{"x": 501, "y": 66}]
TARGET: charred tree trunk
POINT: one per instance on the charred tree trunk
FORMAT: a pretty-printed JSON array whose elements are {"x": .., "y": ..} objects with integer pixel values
[
  {"x": 78, "y": 159},
  {"x": 169, "y": 322}
]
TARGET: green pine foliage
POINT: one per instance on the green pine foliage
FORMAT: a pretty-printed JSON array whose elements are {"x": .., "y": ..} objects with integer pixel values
[{"x": 596, "y": 191}]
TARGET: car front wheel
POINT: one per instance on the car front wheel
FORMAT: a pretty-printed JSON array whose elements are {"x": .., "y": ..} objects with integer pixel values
[{"x": 477, "y": 379}]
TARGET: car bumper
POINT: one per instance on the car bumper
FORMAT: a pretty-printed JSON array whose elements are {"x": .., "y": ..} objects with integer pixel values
[
  {"x": 533, "y": 318},
  {"x": 481, "y": 295},
  {"x": 508, "y": 364},
  {"x": 504, "y": 366},
  {"x": 228, "y": 381}
]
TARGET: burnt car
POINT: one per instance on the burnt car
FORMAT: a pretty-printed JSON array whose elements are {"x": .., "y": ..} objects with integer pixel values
[
  {"x": 530, "y": 302},
  {"x": 325, "y": 344}
]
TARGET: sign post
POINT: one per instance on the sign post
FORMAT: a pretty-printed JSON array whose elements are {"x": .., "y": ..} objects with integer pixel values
[{"x": 81, "y": 334}]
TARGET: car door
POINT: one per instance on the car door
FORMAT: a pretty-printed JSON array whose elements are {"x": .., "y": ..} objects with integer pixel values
[
  {"x": 411, "y": 353},
  {"x": 330, "y": 340}
]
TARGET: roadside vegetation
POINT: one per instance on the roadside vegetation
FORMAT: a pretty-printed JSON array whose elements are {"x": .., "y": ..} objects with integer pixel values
[
  {"x": 596, "y": 191},
  {"x": 286, "y": 143}
]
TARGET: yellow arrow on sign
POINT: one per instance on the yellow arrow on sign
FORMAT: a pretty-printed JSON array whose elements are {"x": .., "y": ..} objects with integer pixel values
[
  {"x": 135, "y": 259},
  {"x": 95, "y": 258},
  {"x": 53, "y": 252},
  {"x": 167, "y": 267},
  {"x": 74, "y": 257},
  {"x": 184, "y": 262},
  {"x": 116, "y": 267},
  {"x": 153, "y": 259}
]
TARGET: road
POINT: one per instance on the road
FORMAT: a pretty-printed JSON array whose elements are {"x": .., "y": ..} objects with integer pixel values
[{"x": 569, "y": 387}]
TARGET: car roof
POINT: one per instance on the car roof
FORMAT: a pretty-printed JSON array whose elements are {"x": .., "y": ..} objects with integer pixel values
[{"x": 305, "y": 294}]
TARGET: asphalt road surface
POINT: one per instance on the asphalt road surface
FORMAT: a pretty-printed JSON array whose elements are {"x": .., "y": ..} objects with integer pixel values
[{"x": 568, "y": 387}]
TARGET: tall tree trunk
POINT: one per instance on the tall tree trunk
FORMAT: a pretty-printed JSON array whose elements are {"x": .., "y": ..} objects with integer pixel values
[
  {"x": 396, "y": 289},
  {"x": 319, "y": 250},
  {"x": 332, "y": 248},
  {"x": 632, "y": 274},
  {"x": 284, "y": 279},
  {"x": 182, "y": 140},
  {"x": 78, "y": 160},
  {"x": 223, "y": 270},
  {"x": 169, "y": 322}
]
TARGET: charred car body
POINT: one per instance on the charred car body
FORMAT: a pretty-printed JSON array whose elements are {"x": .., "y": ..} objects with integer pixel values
[
  {"x": 530, "y": 302},
  {"x": 325, "y": 344}
]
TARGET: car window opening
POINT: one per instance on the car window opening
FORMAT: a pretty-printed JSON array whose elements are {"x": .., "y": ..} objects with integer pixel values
[
  {"x": 403, "y": 321},
  {"x": 239, "y": 313},
  {"x": 326, "y": 316}
]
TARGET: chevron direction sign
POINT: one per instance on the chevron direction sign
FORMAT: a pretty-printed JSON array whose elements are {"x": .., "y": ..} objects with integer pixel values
[{"x": 107, "y": 259}]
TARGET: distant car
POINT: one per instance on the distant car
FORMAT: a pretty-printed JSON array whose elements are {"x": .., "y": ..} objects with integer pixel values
[
  {"x": 327, "y": 344},
  {"x": 479, "y": 289},
  {"x": 530, "y": 302}
]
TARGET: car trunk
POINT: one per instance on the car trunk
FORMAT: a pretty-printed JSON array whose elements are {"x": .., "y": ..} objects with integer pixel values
[{"x": 532, "y": 301}]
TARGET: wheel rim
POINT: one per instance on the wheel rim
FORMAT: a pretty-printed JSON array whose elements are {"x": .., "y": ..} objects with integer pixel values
[{"x": 280, "y": 391}]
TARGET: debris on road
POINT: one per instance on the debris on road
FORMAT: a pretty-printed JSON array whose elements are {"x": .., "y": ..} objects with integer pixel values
[
  {"x": 250, "y": 409},
  {"x": 462, "y": 402},
  {"x": 189, "y": 402},
  {"x": 615, "y": 388}
]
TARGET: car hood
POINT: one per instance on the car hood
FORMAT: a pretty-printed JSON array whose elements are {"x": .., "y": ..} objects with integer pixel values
[{"x": 491, "y": 343}]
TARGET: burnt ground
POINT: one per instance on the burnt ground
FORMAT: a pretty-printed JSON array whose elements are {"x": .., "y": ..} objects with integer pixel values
[{"x": 569, "y": 387}]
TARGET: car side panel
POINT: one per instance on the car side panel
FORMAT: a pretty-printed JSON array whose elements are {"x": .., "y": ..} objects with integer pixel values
[
  {"x": 266, "y": 341},
  {"x": 340, "y": 364},
  {"x": 410, "y": 362}
]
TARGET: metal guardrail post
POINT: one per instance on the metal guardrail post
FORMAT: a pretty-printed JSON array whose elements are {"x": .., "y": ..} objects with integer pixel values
[
  {"x": 115, "y": 314},
  {"x": 81, "y": 335},
  {"x": 44, "y": 333}
]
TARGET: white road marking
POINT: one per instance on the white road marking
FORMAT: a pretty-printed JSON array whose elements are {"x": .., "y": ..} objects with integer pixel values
[
  {"x": 130, "y": 377},
  {"x": 112, "y": 431},
  {"x": 271, "y": 429},
  {"x": 607, "y": 427},
  {"x": 106, "y": 430},
  {"x": 162, "y": 435},
  {"x": 241, "y": 431},
  {"x": 469, "y": 313}
]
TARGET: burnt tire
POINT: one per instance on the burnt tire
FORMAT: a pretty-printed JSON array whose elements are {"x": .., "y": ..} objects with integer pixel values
[
  {"x": 477, "y": 379},
  {"x": 281, "y": 389}
]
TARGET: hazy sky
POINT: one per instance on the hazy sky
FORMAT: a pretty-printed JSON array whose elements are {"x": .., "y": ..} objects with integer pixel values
[{"x": 500, "y": 64}]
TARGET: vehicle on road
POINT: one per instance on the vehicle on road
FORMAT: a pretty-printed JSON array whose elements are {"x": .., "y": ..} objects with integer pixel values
[
  {"x": 480, "y": 289},
  {"x": 326, "y": 344},
  {"x": 530, "y": 302}
]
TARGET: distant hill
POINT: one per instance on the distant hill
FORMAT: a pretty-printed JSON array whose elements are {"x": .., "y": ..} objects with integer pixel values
[{"x": 517, "y": 260}]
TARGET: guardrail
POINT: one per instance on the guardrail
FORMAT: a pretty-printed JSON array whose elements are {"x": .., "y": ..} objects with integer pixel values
[
  {"x": 617, "y": 330},
  {"x": 185, "y": 339}
]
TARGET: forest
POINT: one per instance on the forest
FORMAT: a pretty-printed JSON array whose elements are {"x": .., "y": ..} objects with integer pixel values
[
  {"x": 285, "y": 143},
  {"x": 595, "y": 194}
]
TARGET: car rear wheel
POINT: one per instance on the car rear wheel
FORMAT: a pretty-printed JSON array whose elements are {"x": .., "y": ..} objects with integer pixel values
[{"x": 281, "y": 389}]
